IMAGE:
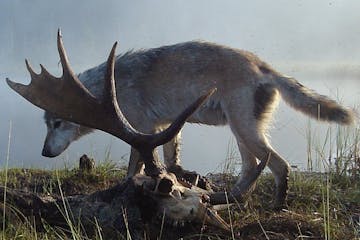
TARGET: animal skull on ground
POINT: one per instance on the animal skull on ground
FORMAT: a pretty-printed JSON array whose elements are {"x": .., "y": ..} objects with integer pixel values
[
  {"x": 69, "y": 99},
  {"x": 185, "y": 204}
]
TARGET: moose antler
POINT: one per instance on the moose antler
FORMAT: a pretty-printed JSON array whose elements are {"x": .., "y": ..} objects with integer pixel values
[{"x": 69, "y": 99}]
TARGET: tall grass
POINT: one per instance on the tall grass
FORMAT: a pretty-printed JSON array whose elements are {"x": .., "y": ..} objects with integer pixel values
[
  {"x": 337, "y": 157},
  {"x": 6, "y": 176},
  {"x": 328, "y": 189}
]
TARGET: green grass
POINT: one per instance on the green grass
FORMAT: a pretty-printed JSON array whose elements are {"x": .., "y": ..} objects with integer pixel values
[
  {"x": 323, "y": 200},
  {"x": 322, "y": 205},
  {"x": 317, "y": 206},
  {"x": 71, "y": 180},
  {"x": 62, "y": 182}
]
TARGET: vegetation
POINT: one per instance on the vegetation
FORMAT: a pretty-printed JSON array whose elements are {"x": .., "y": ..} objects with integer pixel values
[{"x": 322, "y": 205}]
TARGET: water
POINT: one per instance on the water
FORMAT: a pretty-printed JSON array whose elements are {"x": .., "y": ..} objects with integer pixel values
[{"x": 204, "y": 148}]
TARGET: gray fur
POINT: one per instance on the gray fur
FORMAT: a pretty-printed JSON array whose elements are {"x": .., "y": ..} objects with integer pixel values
[{"x": 155, "y": 85}]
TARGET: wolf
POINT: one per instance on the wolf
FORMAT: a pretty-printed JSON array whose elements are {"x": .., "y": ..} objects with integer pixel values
[{"x": 154, "y": 85}]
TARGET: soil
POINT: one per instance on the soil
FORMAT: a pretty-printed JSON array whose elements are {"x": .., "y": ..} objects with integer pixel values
[{"x": 261, "y": 222}]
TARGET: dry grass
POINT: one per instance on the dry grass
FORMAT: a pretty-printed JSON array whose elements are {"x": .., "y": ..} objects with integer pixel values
[{"x": 253, "y": 220}]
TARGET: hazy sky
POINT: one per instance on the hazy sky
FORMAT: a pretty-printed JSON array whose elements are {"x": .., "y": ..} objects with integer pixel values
[{"x": 280, "y": 32}]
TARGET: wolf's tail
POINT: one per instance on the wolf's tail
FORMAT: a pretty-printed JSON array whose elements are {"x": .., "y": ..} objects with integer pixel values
[{"x": 311, "y": 103}]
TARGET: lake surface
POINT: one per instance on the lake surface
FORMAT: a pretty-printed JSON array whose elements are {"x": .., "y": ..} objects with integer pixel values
[{"x": 204, "y": 149}]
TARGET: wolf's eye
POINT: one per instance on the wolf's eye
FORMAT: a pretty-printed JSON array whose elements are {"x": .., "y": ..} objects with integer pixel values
[{"x": 57, "y": 124}]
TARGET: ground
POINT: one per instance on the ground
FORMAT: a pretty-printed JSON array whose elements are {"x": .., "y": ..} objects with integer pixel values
[{"x": 321, "y": 206}]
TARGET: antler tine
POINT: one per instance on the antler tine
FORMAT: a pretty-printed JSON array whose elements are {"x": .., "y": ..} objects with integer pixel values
[
  {"x": 124, "y": 130},
  {"x": 107, "y": 116},
  {"x": 166, "y": 135},
  {"x": 29, "y": 68},
  {"x": 109, "y": 95},
  {"x": 69, "y": 77},
  {"x": 67, "y": 71},
  {"x": 128, "y": 133},
  {"x": 21, "y": 88}
]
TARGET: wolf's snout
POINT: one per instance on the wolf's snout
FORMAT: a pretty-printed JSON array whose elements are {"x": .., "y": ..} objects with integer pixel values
[{"x": 46, "y": 153}]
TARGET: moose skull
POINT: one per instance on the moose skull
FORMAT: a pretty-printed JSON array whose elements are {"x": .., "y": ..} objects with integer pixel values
[{"x": 178, "y": 203}]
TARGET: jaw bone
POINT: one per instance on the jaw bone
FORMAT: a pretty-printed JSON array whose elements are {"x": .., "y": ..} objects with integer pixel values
[{"x": 179, "y": 204}]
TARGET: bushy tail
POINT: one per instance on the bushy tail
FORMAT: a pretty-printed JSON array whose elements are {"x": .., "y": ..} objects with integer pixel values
[{"x": 312, "y": 103}]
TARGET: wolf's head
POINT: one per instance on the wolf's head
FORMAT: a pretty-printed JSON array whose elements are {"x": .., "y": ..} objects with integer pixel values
[{"x": 60, "y": 134}]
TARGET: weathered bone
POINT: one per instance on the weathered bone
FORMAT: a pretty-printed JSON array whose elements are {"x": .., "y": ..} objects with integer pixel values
[
  {"x": 185, "y": 205},
  {"x": 80, "y": 106}
]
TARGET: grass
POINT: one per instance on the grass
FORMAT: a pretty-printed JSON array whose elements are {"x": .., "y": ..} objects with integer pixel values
[
  {"x": 319, "y": 206},
  {"x": 71, "y": 181},
  {"x": 63, "y": 183},
  {"x": 322, "y": 204},
  {"x": 6, "y": 175},
  {"x": 324, "y": 201}
]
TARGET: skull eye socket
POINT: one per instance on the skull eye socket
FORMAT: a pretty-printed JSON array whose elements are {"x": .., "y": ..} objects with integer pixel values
[{"x": 57, "y": 124}]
